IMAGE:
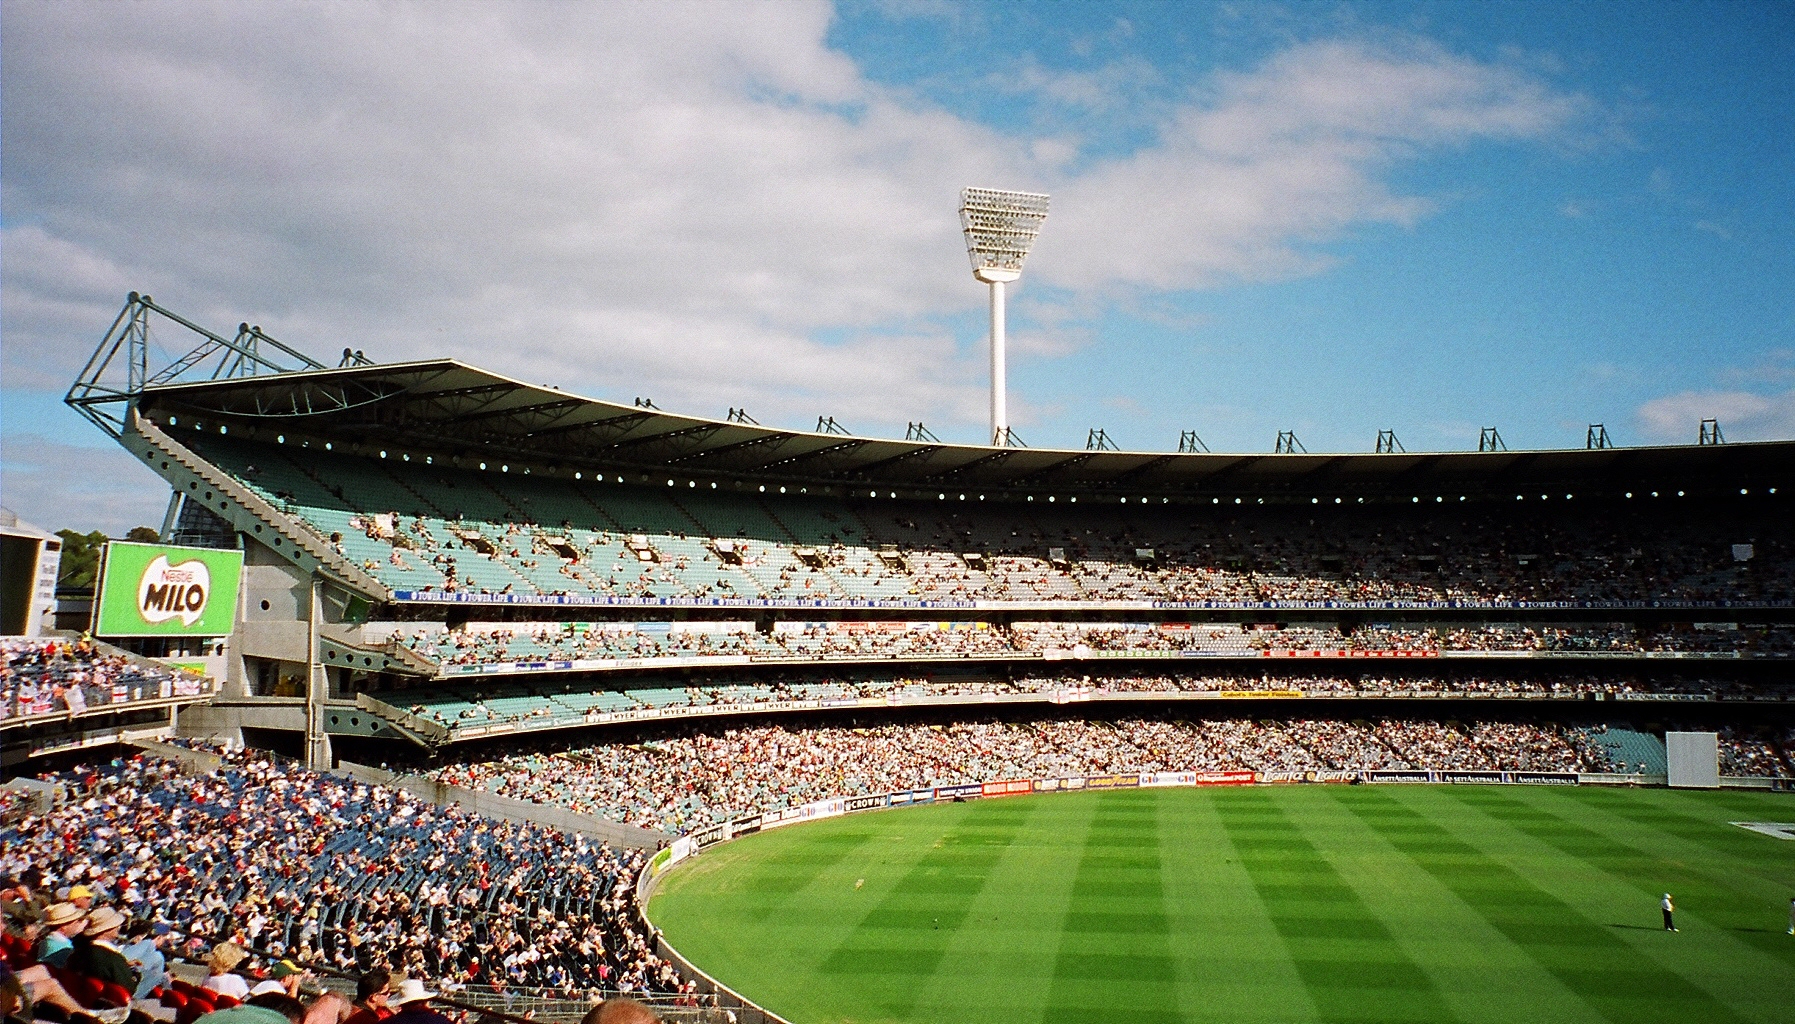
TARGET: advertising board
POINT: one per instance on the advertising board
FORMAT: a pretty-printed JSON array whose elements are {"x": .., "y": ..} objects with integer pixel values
[
  {"x": 1398, "y": 776},
  {"x": 1112, "y": 781},
  {"x": 1009, "y": 787},
  {"x": 1225, "y": 778},
  {"x": 160, "y": 590}
]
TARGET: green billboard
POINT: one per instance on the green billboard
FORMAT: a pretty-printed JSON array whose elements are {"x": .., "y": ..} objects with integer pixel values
[{"x": 158, "y": 590}]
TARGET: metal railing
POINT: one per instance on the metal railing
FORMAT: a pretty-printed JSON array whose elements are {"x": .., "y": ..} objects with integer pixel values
[{"x": 516, "y": 1006}]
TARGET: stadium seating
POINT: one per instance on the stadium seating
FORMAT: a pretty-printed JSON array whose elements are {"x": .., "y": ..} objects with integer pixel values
[
  {"x": 354, "y": 876},
  {"x": 431, "y": 527},
  {"x": 43, "y": 676},
  {"x": 1640, "y": 752}
]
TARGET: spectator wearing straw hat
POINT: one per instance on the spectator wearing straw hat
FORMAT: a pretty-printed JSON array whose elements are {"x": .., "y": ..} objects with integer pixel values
[
  {"x": 62, "y": 922},
  {"x": 97, "y": 954},
  {"x": 413, "y": 1002}
]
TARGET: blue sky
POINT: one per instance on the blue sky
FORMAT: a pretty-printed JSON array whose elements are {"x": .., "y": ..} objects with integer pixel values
[{"x": 1331, "y": 218}]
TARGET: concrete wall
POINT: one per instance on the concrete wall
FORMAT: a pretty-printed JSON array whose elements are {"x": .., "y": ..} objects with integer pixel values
[{"x": 193, "y": 760}]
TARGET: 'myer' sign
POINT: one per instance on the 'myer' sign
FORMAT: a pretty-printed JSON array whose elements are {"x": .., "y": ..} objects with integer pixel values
[{"x": 158, "y": 590}]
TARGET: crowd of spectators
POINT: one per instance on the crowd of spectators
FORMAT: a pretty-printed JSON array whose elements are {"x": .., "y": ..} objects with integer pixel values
[
  {"x": 265, "y": 855},
  {"x": 529, "y": 703},
  {"x": 695, "y": 777},
  {"x": 58, "y": 676},
  {"x": 1755, "y": 752},
  {"x": 491, "y": 643}
]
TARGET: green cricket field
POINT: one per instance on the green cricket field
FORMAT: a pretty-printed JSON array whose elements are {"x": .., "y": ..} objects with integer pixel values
[{"x": 1257, "y": 904}]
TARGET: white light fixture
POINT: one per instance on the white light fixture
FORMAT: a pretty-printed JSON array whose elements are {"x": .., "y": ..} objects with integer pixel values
[{"x": 1000, "y": 226}]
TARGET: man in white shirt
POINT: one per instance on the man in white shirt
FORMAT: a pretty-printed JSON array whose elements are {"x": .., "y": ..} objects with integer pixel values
[
  {"x": 285, "y": 979},
  {"x": 1670, "y": 908}
]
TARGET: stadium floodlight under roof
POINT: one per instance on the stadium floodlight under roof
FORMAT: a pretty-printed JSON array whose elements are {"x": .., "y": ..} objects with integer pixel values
[{"x": 1000, "y": 227}]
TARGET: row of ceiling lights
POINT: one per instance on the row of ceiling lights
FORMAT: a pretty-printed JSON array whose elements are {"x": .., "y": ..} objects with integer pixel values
[{"x": 940, "y": 496}]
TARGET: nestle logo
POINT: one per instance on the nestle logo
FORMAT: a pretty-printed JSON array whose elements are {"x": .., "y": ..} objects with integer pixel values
[{"x": 173, "y": 591}]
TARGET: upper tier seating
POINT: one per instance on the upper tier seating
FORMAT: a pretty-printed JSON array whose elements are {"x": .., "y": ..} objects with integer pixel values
[{"x": 426, "y": 526}]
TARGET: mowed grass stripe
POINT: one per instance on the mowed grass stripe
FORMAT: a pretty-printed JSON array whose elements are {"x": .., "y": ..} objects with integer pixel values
[
  {"x": 903, "y": 941},
  {"x": 1474, "y": 966},
  {"x": 724, "y": 925},
  {"x": 777, "y": 877},
  {"x": 1584, "y": 955},
  {"x": 1732, "y": 879},
  {"x": 1353, "y": 968},
  {"x": 1114, "y": 955},
  {"x": 1233, "y": 965},
  {"x": 1697, "y": 831},
  {"x": 999, "y": 963},
  {"x": 1612, "y": 876},
  {"x": 1306, "y": 926}
]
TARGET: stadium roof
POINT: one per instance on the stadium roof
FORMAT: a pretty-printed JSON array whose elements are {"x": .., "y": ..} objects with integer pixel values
[{"x": 470, "y": 415}]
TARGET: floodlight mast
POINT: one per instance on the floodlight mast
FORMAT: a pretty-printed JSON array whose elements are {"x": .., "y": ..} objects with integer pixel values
[{"x": 1000, "y": 227}]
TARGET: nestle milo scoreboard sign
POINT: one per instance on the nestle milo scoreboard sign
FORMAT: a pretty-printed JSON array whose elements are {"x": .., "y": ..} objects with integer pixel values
[{"x": 158, "y": 590}]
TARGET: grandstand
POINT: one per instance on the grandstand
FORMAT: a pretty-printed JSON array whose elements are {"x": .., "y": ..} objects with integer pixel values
[
  {"x": 487, "y": 558},
  {"x": 603, "y": 629}
]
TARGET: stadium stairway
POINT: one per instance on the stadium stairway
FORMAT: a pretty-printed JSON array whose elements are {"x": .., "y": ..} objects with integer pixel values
[
  {"x": 162, "y": 452},
  {"x": 343, "y": 649}
]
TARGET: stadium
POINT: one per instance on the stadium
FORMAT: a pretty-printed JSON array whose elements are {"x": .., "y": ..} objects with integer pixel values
[{"x": 522, "y": 657}]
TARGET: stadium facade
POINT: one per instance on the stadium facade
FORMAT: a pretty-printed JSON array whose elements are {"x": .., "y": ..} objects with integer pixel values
[{"x": 435, "y": 555}]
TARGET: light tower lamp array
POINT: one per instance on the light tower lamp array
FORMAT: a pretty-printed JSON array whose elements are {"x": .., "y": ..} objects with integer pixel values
[{"x": 1000, "y": 226}]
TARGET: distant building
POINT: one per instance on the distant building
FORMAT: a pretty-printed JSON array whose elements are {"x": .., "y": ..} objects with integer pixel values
[{"x": 30, "y": 559}]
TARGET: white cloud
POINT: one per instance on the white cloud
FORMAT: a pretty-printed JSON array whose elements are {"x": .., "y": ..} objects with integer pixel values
[
  {"x": 703, "y": 203},
  {"x": 1743, "y": 415},
  {"x": 55, "y": 485},
  {"x": 1106, "y": 88},
  {"x": 1243, "y": 181}
]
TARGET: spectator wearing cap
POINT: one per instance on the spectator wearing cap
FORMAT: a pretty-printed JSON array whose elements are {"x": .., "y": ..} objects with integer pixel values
[
  {"x": 62, "y": 922},
  {"x": 81, "y": 896},
  {"x": 97, "y": 954},
  {"x": 286, "y": 977},
  {"x": 143, "y": 950},
  {"x": 413, "y": 1002},
  {"x": 219, "y": 965},
  {"x": 372, "y": 991}
]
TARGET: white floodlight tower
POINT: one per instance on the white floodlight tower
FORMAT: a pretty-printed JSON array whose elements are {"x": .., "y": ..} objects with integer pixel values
[{"x": 1000, "y": 226}]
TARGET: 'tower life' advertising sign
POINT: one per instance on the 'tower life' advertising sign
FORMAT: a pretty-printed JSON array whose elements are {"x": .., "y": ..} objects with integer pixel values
[{"x": 159, "y": 590}]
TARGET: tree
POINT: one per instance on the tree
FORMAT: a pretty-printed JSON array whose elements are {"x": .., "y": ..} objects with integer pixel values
[{"x": 80, "y": 567}]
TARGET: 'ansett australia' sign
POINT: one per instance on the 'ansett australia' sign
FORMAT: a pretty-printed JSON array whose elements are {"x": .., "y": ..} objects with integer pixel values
[{"x": 156, "y": 590}]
